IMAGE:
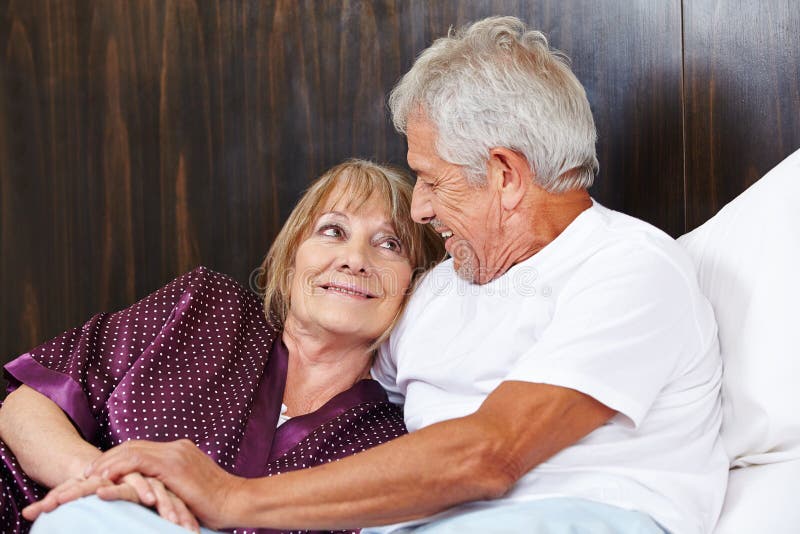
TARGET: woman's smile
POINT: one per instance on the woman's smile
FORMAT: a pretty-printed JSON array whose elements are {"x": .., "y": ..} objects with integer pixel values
[{"x": 347, "y": 290}]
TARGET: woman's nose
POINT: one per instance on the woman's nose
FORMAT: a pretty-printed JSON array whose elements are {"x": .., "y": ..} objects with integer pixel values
[{"x": 355, "y": 257}]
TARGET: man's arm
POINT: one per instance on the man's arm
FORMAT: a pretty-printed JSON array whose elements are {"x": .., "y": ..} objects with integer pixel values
[{"x": 480, "y": 456}]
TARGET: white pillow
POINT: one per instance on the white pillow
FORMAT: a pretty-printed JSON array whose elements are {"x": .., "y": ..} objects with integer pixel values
[
  {"x": 762, "y": 498},
  {"x": 748, "y": 264}
]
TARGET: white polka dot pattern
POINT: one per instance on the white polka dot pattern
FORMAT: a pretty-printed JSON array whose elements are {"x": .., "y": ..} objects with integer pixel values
[
  {"x": 184, "y": 362},
  {"x": 358, "y": 429}
]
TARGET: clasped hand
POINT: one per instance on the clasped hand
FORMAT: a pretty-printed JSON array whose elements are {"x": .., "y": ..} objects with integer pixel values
[
  {"x": 141, "y": 472},
  {"x": 132, "y": 487}
]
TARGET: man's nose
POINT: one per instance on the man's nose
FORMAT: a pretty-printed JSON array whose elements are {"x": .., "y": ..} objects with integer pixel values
[{"x": 421, "y": 209}]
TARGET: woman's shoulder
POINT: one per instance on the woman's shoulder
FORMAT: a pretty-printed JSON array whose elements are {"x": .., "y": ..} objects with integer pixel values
[
  {"x": 207, "y": 298},
  {"x": 212, "y": 286}
]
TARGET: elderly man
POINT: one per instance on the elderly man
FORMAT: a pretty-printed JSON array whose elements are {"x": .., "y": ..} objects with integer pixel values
[{"x": 560, "y": 373}]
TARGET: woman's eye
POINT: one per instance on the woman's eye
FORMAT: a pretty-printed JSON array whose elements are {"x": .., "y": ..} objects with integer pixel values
[
  {"x": 331, "y": 231},
  {"x": 392, "y": 244}
]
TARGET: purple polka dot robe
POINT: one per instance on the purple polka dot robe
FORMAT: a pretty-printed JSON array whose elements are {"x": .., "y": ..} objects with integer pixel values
[{"x": 197, "y": 360}]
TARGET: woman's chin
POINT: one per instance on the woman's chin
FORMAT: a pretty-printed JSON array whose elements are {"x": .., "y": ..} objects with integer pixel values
[{"x": 351, "y": 330}]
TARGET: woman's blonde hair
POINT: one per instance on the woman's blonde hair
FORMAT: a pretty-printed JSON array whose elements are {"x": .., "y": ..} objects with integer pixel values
[{"x": 355, "y": 181}]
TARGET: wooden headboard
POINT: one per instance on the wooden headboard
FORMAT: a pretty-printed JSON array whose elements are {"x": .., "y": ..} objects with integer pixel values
[{"x": 141, "y": 138}]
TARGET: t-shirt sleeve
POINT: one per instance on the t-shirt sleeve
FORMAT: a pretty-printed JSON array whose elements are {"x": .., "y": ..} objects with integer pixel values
[
  {"x": 79, "y": 369},
  {"x": 618, "y": 333},
  {"x": 384, "y": 371}
]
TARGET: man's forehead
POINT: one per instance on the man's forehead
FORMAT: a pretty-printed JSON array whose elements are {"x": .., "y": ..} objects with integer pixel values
[{"x": 421, "y": 137}]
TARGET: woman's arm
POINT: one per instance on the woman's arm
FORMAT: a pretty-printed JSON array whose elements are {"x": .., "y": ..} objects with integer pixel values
[
  {"x": 79, "y": 370},
  {"x": 52, "y": 452},
  {"x": 47, "y": 445}
]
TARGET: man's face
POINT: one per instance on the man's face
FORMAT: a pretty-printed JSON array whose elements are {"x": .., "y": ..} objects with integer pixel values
[{"x": 466, "y": 216}]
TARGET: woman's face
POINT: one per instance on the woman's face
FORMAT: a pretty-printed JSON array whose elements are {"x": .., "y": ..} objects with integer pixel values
[{"x": 350, "y": 274}]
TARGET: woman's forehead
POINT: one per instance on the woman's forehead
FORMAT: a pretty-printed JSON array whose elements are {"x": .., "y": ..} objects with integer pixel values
[{"x": 373, "y": 206}]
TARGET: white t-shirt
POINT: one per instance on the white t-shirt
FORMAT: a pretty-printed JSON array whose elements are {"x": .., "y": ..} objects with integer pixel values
[
  {"x": 610, "y": 308},
  {"x": 282, "y": 417}
]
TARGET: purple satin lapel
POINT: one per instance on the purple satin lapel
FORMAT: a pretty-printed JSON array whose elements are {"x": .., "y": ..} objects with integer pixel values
[
  {"x": 293, "y": 431},
  {"x": 260, "y": 431},
  {"x": 59, "y": 388}
]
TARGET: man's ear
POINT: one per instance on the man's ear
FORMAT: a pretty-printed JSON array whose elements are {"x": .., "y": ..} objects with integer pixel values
[{"x": 510, "y": 174}]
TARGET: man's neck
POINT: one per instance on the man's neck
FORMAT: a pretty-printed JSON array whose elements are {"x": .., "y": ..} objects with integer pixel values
[{"x": 539, "y": 219}]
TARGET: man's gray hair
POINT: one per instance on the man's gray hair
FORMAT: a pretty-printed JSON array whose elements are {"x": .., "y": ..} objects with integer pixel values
[{"x": 495, "y": 83}]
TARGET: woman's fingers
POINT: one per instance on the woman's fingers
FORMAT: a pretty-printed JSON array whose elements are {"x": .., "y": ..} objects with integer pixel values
[
  {"x": 185, "y": 469},
  {"x": 171, "y": 507},
  {"x": 185, "y": 518},
  {"x": 63, "y": 493},
  {"x": 164, "y": 503},
  {"x": 144, "y": 491},
  {"x": 81, "y": 488},
  {"x": 119, "y": 492},
  {"x": 132, "y": 487}
]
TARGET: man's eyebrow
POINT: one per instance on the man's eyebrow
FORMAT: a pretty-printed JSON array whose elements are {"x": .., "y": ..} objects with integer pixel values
[
  {"x": 418, "y": 171},
  {"x": 414, "y": 164}
]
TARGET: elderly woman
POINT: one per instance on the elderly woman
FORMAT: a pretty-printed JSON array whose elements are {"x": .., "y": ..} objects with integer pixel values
[{"x": 260, "y": 387}]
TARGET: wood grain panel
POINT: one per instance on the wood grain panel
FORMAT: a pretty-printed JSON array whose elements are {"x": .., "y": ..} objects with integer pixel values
[
  {"x": 22, "y": 156},
  {"x": 139, "y": 138},
  {"x": 742, "y": 96}
]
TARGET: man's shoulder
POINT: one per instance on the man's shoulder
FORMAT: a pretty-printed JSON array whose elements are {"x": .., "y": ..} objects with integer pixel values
[
  {"x": 623, "y": 258},
  {"x": 632, "y": 244},
  {"x": 433, "y": 282}
]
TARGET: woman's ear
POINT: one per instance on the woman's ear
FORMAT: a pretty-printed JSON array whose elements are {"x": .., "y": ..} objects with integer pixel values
[{"x": 510, "y": 174}]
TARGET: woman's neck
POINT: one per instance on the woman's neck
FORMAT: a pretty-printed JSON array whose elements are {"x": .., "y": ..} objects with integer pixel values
[{"x": 321, "y": 366}]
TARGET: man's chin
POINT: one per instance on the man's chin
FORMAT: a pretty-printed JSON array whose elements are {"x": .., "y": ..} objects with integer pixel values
[
  {"x": 472, "y": 272},
  {"x": 465, "y": 262},
  {"x": 467, "y": 271}
]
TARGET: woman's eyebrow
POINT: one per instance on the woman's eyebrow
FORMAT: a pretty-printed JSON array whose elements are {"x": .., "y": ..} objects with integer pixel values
[
  {"x": 337, "y": 214},
  {"x": 385, "y": 226},
  {"x": 388, "y": 228}
]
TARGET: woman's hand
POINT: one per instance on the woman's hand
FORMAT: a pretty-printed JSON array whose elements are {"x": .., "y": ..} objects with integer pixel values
[
  {"x": 205, "y": 487},
  {"x": 132, "y": 487},
  {"x": 150, "y": 492},
  {"x": 69, "y": 490}
]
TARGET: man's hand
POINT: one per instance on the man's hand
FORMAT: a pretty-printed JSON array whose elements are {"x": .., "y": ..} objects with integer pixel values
[
  {"x": 182, "y": 467},
  {"x": 133, "y": 487}
]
